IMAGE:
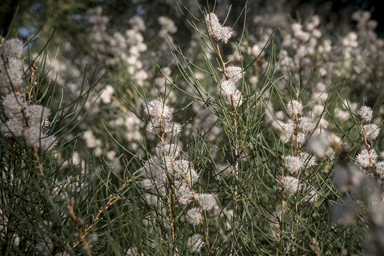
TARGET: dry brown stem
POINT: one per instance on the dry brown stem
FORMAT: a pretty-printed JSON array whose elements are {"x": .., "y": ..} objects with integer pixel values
[{"x": 101, "y": 211}]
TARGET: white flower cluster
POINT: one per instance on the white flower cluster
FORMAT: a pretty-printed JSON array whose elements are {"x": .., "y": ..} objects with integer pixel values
[
  {"x": 287, "y": 132},
  {"x": 215, "y": 29},
  {"x": 379, "y": 166},
  {"x": 119, "y": 48},
  {"x": 27, "y": 121},
  {"x": 364, "y": 158},
  {"x": 292, "y": 186},
  {"x": 365, "y": 113},
  {"x": 229, "y": 90},
  {"x": 307, "y": 159},
  {"x": 169, "y": 171},
  {"x": 10, "y": 68},
  {"x": 371, "y": 131},
  {"x": 293, "y": 164},
  {"x": 363, "y": 51},
  {"x": 161, "y": 118},
  {"x": 166, "y": 167},
  {"x": 294, "y": 107},
  {"x": 305, "y": 126},
  {"x": 303, "y": 43},
  {"x": 92, "y": 142},
  {"x": 368, "y": 157},
  {"x": 296, "y": 132},
  {"x": 168, "y": 27},
  {"x": 234, "y": 73},
  {"x": 319, "y": 96},
  {"x": 228, "y": 86},
  {"x": 135, "y": 41},
  {"x": 106, "y": 94}
]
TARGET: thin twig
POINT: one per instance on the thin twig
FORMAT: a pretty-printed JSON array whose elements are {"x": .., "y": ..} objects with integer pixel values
[
  {"x": 79, "y": 223},
  {"x": 101, "y": 211}
]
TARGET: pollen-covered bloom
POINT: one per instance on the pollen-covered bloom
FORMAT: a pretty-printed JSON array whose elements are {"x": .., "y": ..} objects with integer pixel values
[
  {"x": 365, "y": 113},
  {"x": 161, "y": 120},
  {"x": 363, "y": 157},
  {"x": 171, "y": 150},
  {"x": 158, "y": 110},
  {"x": 371, "y": 131},
  {"x": 26, "y": 121},
  {"x": 300, "y": 139},
  {"x": 12, "y": 48},
  {"x": 13, "y": 127},
  {"x": 34, "y": 137},
  {"x": 294, "y": 107},
  {"x": 380, "y": 169},
  {"x": 216, "y": 30},
  {"x": 293, "y": 163},
  {"x": 206, "y": 201},
  {"x": 11, "y": 71},
  {"x": 291, "y": 185},
  {"x": 186, "y": 170},
  {"x": 184, "y": 194},
  {"x": 307, "y": 159},
  {"x": 287, "y": 132},
  {"x": 234, "y": 73},
  {"x": 168, "y": 127},
  {"x": 307, "y": 124},
  {"x": 230, "y": 92},
  {"x": 37, "y": 115},
  {"x": 193, "y": 216},
  {"x": 13, "y": 104}
]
